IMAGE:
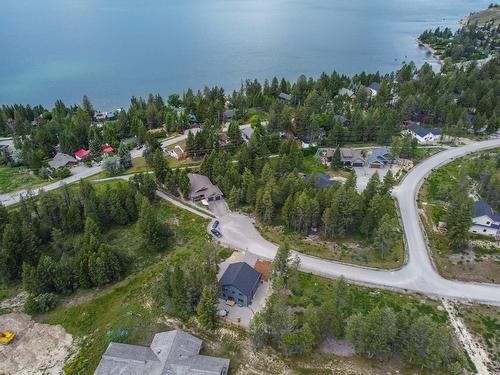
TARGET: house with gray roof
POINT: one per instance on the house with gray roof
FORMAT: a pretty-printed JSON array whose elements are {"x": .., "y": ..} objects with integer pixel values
[
  {"x": 379, "y": 157},
  {"x": 239, "y": 283},
  {"x": 351, "y": 157},
  {"x": 202, "y": 188},
  {"x": 171, "y": 353},
  {"x": 246, "y": 133},
  {"x": 424, "y": 135},
  {"x": 343, "y": 120},
  {"x": 485, "y": 220},
  {"x": 285, "y": 97},
  {"x": 61, "y": 160}
]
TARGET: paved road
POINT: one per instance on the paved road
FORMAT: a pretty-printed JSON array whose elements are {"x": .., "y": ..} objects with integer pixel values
[
  {"x": 417, "y": 275},
  {"x": 8, "y": 199}
]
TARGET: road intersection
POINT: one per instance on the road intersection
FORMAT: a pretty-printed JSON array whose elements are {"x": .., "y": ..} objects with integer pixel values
[{"x": 417, "y": 275}]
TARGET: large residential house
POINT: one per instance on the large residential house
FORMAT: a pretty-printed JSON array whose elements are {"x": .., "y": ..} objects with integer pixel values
[
  {"x": 171, "y": 353},
  {"x": 348, "y": 156},
  {"x": 351, "y": 157},
  {"x": 379, "y": 157},
  {"x": 61, "y": 160},
  {"x": 239, "y": 283},
  {"x": 424, "y": 135},
  {"x": 203, "y": 189},
  {"x": 485, "y": 220}
]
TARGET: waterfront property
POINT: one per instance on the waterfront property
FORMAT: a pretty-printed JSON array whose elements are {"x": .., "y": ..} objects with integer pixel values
[
  {"x": 239, "y": 283},
  {"x": 171, "y": 353}
]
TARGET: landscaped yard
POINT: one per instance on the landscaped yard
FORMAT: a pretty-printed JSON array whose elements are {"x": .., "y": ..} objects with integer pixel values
[{"x": 16, "y": 178}]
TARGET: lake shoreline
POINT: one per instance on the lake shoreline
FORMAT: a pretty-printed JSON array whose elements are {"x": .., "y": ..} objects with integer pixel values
[{"x": 430, "y": 50}]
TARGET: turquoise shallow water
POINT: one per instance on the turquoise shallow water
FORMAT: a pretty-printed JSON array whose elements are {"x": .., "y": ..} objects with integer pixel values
[{"x": 111, "y": 50}]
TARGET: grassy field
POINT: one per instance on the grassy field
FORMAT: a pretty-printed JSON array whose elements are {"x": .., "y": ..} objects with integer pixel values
[
  {"x": 354, "y": 250},
  {"x": 484, "y": 322},
  {"x": 486, "y": 16},
  {"x": 16, "y": 178}
]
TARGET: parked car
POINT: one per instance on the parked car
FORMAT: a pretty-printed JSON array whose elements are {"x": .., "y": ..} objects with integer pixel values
[
  {"x": 215, "y": 224},
  {"x": 216, "y": 233}
]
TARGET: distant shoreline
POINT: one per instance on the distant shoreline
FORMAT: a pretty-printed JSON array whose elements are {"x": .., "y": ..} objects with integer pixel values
[{"x": 431, "y": 50}]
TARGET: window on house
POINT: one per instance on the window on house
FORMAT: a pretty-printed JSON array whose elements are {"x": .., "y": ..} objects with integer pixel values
[
  {"x": 484, "y": 230},
  {"x": 487, "y": 223}
]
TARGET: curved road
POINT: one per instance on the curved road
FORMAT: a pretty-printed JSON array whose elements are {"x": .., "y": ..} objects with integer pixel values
[{"x": 417, "y": 275}]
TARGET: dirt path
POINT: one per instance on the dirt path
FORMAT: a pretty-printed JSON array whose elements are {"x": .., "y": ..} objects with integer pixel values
[
  {"x": 473, "y": 348},
  {"x": 36, "y": 349}
]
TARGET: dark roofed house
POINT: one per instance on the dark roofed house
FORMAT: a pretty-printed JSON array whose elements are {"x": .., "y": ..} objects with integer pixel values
[
  {"x": 374, "y": 88},
  {"x": 485, "y": 220},
  {"x": 239, "y": 283},
  {"x": 285, "y": 97},
  {"x": 321, "y": 180},
  {"x": 202, "y": 188},
  {"x": 228, "y": 115},
  {"x": 171, "y": 353},
  {"x": 424, "y": 135},
  {"x": 344, "y": 121}
]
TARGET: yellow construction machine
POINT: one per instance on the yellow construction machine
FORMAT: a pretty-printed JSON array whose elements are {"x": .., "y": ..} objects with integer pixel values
[{"x": 6, "y": 337}]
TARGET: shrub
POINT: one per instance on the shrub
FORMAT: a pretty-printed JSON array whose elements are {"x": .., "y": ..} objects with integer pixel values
[
  {"x": 61, "y": 173},
  {"x": 40, "y": 304}
]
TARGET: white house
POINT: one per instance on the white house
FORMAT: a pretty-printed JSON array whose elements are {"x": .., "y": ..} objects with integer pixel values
[
  {"x": 485, "y": 220},
  {"x": 424, "y": 135}
]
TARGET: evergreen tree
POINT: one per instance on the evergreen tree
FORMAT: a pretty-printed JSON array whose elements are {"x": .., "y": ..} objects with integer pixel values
[
  {"x": 149, "y": 226},
  {"x": 207, "y": 309},
  {"x": 160, "y": 166},
  {"x": 336, "y": 159},
  {"x": 458, "y": 219}
]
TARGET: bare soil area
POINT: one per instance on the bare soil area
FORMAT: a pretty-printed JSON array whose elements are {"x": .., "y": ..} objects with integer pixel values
[{"x": 36, "y": 349}]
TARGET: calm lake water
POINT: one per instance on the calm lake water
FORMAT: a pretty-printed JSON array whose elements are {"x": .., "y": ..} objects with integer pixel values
[{"x": 113, "y": 49}]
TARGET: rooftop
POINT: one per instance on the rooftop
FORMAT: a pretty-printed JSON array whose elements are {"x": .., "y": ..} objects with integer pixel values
[
  {"x": 241, "y": 276},
  {"x": 61, "y": 160},
  {"x": 481, "y": 208},
  {"x": 173, "y": 353},
  {"x": 422, "y": 132}
]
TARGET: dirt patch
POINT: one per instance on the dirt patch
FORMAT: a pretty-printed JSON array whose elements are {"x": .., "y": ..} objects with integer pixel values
[
  {"x": 342, "y": 348},
  {"x": 36, "y": 349}
]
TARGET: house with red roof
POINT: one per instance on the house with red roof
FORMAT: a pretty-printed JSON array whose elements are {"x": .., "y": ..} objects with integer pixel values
[
  {"x": 107, "y": 149},
  {"x": 81, "y": 154}
]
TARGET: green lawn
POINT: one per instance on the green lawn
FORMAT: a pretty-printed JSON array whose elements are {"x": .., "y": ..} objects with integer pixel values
[{"x": 16, "y": 178}]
